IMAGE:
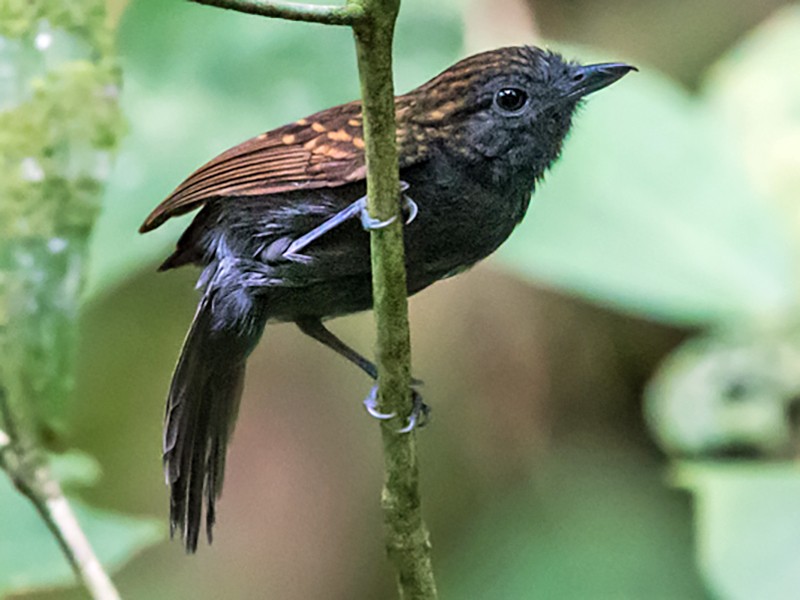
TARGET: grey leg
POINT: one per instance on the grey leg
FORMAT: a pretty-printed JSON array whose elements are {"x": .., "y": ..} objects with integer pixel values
[
  {"x": 420, "y": 411},
  {"x": 356, "y": 209}
]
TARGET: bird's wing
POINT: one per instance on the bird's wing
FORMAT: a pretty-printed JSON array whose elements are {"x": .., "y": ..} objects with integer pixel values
[{"x": 323, "y": 150}]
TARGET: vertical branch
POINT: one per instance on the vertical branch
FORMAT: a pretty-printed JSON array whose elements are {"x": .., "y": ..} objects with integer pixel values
[
  {"x": 408, "y": 543},
  {"x": 25, "y": 464},
  {"x": 373, "y": 21}
]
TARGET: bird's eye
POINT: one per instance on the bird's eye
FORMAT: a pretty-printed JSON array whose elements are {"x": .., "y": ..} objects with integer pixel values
[{"x": 511, "y": 100}]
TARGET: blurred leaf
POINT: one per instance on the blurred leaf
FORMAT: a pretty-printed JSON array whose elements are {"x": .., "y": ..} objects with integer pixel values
[
  {"x": 650, "y": 211},
  {"x": 199, "y": 80},
  {"x": 730, "y": 391},
  {"x": 75, "y": 469},
  {"x": 29, "y": 555},
  {"x": 595, "y": 524},
  {"x": 756, "y": 92},
  {"x": 747, "y": 528}
]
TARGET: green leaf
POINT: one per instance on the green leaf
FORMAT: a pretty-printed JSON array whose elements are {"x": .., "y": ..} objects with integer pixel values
[
  {"x": 747, "y": 528},
  {"x": 75, "y": 469},
  {"x": 199, "y": 80},
  {"x": 29, "y": 554},
  {"x": 755, "y": 90},
  {"x": 731, "y": 390},
  {"x": 595, "y": 524},
  {"x": 650, "y": 211}
]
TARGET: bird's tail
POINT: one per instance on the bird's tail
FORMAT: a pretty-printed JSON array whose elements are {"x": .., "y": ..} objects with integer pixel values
[{"x": 203, "y": 403}]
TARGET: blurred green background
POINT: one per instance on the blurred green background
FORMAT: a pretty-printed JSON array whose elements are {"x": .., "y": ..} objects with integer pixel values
[{"x": 672, "y": 215}]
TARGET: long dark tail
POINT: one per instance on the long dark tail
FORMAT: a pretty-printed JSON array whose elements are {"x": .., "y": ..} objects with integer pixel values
[{"x": 203, "y": 403}]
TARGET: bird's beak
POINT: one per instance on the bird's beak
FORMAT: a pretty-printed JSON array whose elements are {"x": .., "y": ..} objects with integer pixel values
[{"x": 588, "y": 79}]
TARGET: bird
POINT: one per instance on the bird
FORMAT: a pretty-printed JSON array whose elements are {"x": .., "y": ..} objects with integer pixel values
[{"x": 280, "y": 231}]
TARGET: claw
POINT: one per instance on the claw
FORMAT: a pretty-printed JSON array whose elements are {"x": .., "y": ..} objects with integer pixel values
[
  {"x": 370, "y": 223},
  {"x": 412, "y": 423},
  {"x": 420, "y": 413},
  {"x": 371, "y": 404},
  {"x": 412, "y": 208}
]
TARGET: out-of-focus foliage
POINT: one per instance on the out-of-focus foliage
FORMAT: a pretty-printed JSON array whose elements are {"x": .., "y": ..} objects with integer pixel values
[
  {"x": 59, "y": 120},
  {"x": 739, "y": 387},
  {"x": 755, "y": 91},
  {"x": 731, "y": 392},
  {"x": 747, "y": 528},
  {"x": 59, "y": 123},
  {"x": 29, "y": 555},
  {"x": 600, "y": 535}
]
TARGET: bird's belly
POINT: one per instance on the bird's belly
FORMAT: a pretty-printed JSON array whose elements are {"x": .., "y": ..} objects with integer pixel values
[{"x": 452, "y": 231}]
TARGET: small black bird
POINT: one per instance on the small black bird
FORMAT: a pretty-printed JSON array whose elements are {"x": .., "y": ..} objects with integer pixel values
[{"x": 280, "y": 236}]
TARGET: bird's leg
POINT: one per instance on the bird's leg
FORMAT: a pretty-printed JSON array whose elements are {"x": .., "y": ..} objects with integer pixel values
[
  {"x": 420, "y": 411},
  {"x": 356, "y": 209},
  {"x": 293, "y": 251},
  {"x": 314, "y": 328}
]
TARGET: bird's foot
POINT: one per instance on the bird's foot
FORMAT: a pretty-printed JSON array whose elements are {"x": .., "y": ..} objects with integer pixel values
[
  {"x": 368, "y": 222},
  {"x": 419, "y": 416},
  {"x": 409, "y": 206}
]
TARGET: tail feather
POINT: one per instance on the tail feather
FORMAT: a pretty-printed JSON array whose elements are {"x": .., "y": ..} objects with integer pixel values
[{"x": 202, "y": 406}]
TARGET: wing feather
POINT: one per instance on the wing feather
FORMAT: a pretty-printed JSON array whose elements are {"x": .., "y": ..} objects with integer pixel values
[{"x": 323, "y": 150}]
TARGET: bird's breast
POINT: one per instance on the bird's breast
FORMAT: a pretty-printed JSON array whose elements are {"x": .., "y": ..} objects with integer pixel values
[{"x": 462, "y": 218}]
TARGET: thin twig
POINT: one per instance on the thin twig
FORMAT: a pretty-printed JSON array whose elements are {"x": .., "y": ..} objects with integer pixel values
[
  {"x": 310, "y": 13},
  {"x": 30, "y": 474},
  {"x": 57, "y": 513}
]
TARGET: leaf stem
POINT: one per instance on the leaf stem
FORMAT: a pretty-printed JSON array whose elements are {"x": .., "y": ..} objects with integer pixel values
[
  {"x": 27, "y": 468},
  {"x": 310, "y": 13}
]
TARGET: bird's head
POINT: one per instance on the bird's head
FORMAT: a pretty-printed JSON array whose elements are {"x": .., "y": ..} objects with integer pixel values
[{"x": 512, "y": 106}]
